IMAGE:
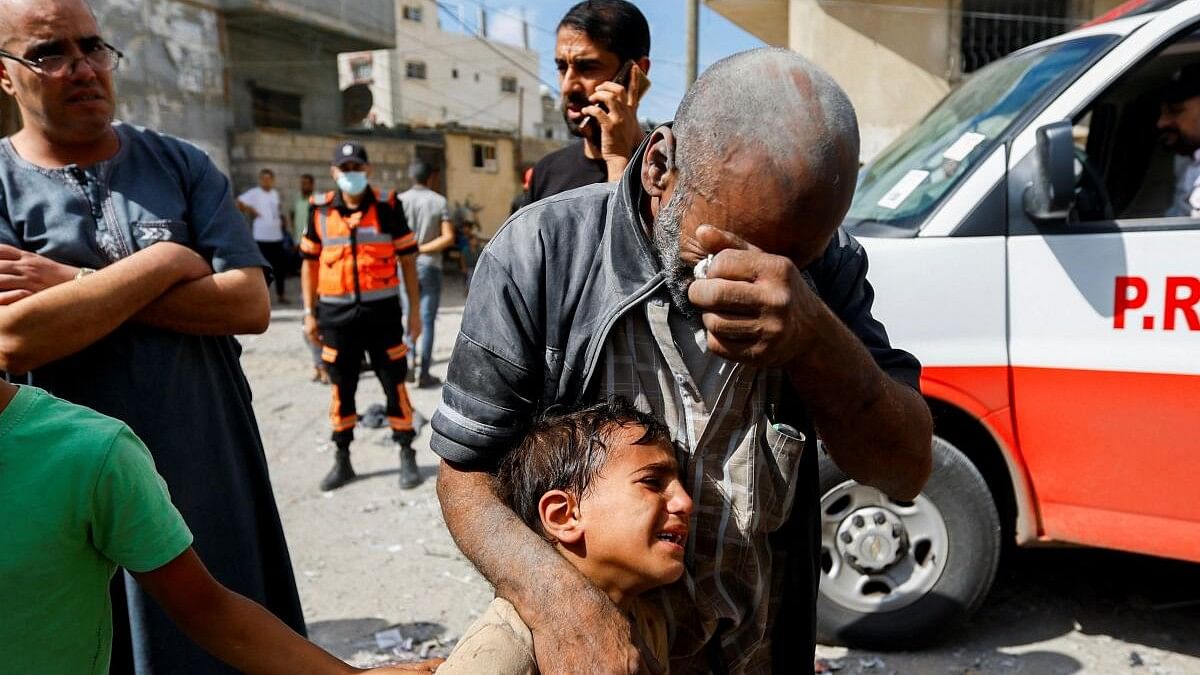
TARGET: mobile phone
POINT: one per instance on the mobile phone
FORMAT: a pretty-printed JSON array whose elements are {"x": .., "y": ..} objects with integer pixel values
[{"x": 621, "y": 78}]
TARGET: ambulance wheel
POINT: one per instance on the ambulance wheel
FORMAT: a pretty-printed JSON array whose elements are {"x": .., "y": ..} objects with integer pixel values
[{"x": 894, "y": 574}]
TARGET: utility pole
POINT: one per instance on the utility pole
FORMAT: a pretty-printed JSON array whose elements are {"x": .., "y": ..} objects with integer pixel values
[
  {"x": 520, "y": 127},
  {"x": 693, "y": 41}
]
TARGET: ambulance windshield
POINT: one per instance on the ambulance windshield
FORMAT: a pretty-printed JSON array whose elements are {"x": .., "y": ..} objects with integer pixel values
[{"x": 904, "y": 184}]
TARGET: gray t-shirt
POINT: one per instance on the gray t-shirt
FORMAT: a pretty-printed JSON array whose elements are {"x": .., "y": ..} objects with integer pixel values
[
  {"x": 184, "y": 395},
  {"x": 425, "y": 210}
]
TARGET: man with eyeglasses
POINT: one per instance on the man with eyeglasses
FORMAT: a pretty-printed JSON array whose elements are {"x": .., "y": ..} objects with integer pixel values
[{"x": 125, "y": 270}]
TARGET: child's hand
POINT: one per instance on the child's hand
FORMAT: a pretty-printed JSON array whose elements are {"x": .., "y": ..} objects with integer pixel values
[{"x": 407, "y": 668}]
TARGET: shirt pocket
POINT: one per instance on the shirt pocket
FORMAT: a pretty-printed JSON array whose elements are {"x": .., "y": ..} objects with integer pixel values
[
  {"x": 148, "y": 232},
  {"x": 776, "y": 474}
]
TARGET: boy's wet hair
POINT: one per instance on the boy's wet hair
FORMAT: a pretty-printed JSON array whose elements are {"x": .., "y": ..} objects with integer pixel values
[{"x": 566, "y": 451}]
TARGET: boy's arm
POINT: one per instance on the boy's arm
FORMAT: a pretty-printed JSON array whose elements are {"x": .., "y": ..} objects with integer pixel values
[{"x": 237, "y": 630}]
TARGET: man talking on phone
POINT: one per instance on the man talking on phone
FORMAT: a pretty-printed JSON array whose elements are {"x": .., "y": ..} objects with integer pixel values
[{"x": 603, "y": 54}]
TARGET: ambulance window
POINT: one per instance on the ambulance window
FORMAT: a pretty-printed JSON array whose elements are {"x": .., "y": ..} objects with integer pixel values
[
  {"x": 1142, "y": 159},
  {"x": 909, "y": 179}
]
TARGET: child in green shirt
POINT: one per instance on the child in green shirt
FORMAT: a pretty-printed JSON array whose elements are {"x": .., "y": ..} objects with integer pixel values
[{"x": 79, "y": 496}]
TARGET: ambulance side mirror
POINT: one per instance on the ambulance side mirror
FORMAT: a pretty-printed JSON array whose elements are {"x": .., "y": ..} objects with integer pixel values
[{"x": 1051, "y": 195}]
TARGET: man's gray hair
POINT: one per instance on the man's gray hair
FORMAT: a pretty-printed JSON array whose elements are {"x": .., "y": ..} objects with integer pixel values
[{"x": 772, "y": 102}]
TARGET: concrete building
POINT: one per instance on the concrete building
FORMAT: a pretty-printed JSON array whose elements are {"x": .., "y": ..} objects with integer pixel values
[
  {"x": 897, "y": 58},
  {"x": 207, "y": 70},
  {"x": 480, "y": 175},
  {"x": 552, "y": 126},
  {"x": 256, "y": 84},
  {"x": 291, "y": 154},
  {"x": 438, "y": 77}
]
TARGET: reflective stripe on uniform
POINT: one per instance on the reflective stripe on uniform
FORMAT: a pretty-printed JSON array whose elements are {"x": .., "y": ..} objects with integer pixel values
[
  {"x": 365, "y": 296},
  {"x": 358, "y": 259},
  {"x": 373, "y": 238}
]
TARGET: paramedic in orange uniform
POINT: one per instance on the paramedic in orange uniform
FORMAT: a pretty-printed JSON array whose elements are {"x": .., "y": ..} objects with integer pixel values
[{"x": 352, "y": 303}]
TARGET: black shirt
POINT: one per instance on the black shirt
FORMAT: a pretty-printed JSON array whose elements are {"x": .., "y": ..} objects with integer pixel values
[{"x": 565, "y": 169}]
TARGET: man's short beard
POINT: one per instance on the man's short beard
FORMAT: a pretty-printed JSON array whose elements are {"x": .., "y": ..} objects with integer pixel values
[
  {"x": 588, "y": 134},
  {"x": 572, "y": 127},
  {"x": 666, "y": 232}
]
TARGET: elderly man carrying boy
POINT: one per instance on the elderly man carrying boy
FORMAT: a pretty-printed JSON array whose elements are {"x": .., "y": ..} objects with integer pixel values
[{"x": 593, "y": 293}]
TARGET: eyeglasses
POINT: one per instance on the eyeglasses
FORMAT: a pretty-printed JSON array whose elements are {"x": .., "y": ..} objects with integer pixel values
[{"x": 102, "y": 58}]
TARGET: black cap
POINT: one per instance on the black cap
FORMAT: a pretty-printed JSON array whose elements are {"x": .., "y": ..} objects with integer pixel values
[
  {"x": 1184, "y": 84},
  {"x": 349, "y": 151}
]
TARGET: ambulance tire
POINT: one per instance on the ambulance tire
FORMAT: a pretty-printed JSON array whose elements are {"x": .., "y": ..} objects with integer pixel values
[{"x": 964, "y": 505}]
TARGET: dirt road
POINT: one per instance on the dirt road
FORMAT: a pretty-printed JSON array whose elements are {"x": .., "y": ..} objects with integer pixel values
[{"x": 381, "y": 579}]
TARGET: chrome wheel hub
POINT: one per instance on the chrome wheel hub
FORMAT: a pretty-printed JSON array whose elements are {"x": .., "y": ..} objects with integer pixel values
[{"x": 877, "y": 554}]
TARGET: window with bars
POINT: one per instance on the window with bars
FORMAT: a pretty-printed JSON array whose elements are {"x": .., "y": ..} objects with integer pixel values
[
  {"x": 412, "y": 13},
  {"x": 414, "y": 70},
  {"x": 508, "y": 85},
  {"x": 992, "y": 29}
]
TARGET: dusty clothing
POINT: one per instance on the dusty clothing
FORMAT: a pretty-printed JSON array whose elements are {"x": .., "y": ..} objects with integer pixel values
[
  {"x": 185, "y": 396},
  {"x": 741, "y": 469},
  {"x": 499, "y": 642},
  {"x": 526, "y": 344}
]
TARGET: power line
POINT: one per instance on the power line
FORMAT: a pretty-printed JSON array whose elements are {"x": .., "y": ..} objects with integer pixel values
[{"x": 442, "y": 5}]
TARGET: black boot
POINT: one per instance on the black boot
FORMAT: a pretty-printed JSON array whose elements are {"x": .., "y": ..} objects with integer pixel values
[
  {"x": 341, "y": 473},
  {"x": 409, "y": 476}
]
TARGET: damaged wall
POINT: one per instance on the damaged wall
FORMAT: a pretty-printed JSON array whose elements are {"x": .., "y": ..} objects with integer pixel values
[{"x": 172, "y": 78}]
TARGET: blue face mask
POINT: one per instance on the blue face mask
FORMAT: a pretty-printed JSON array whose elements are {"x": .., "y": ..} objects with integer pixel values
[{"x": 352, "y": 182}]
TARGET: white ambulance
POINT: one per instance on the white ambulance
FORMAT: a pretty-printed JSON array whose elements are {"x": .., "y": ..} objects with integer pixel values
[{"x": 1020, "y": 245}]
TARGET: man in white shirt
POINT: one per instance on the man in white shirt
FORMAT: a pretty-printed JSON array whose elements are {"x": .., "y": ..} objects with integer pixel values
[
  {"x": 1179, "y": 128},
  {"x": 262, "y": 204}
]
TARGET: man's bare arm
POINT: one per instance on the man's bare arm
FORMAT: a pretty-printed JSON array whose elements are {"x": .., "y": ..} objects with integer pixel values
[
  {"x": 759, "y": 310},
  {"x": 67, "y": 317},
  {"x": 444, "y": 240},
  {"x": 576, "y": 628},
  {"x": 877, "y": 430},
  {"x": 408, "y": 269},
  {"x": 308, "y": 293},
  {"x": 235, "y": 302}
]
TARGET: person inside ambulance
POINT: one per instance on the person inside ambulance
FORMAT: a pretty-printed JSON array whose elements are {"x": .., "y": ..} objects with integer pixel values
[
  {"x": 1179, "y": 130},
  {"x": 355, "y": 236}
]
